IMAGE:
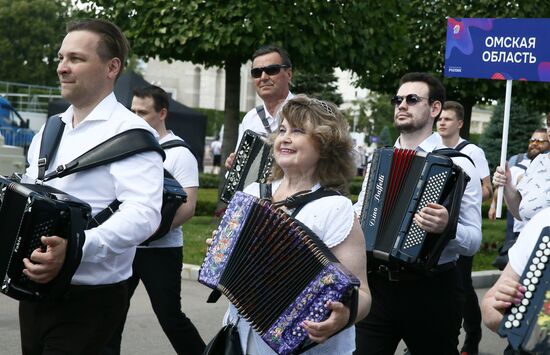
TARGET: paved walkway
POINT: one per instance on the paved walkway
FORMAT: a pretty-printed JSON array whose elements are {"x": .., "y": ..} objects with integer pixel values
[{"x": 143, "y": 334}]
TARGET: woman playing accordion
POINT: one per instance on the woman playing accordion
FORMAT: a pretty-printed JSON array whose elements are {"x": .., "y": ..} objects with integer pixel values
[{"x": 313, "y": 150}]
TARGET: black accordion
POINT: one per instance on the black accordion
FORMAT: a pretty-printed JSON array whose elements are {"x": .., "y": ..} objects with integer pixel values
[
  {"x": 527, "y": 325},
  {"x": 253, "y": 161},
  {"x": 173, "y": 196},
  {"x": 275, "y": 271},
  {"x": 400, "y": 183},
  {"x": 27, "y": 212}
]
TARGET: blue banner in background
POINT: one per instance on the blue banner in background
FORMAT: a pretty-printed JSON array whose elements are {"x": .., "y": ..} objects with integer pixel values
[{"x": 499, "y": 49}]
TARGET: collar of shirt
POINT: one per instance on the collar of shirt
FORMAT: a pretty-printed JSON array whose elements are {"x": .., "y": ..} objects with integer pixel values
[
  {"x": 427, "y": 145},
  {"x": 101, "y": 112},
  {"x": 268, "y": 114}
]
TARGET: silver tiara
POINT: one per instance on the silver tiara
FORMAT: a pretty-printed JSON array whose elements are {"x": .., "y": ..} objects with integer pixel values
[{"x": 325, "y": 106}]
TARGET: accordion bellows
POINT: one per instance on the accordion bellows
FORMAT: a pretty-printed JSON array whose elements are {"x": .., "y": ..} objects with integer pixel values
[
  {"x": 274, "y": 270},
  {"x": 527, "y": 325}
]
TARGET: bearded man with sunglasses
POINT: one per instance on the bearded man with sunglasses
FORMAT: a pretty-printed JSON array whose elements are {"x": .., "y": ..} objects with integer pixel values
[
  {"x": 272, "y": 72},
  {"x": 422, "y": 309}
]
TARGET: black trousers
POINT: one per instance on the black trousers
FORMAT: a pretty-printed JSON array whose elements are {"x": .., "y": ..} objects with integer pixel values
[
  {"x": 424, "y": 313},
  {"x": 472, "y": 313},
  {"x": 160, "y": 271},
  {"x": 80, "y": 323}
]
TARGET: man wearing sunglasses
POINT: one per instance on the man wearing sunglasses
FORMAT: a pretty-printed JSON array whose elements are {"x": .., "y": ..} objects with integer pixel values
[
  {"x": 272, "y": 72},
  {"x": 448, "y": 126},
  {"x": 422, "y": 309}
]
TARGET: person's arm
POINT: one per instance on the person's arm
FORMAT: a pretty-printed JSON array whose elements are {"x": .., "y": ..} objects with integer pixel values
[
  {"x": 351, "y": 253},
  {"x": 487, "y": 188},
  {"x": 492, "y": 213},
  {"x": 187, "y": 209},
  {"x": 505, "y": 292},
  {"x": 512, "y": 196}
]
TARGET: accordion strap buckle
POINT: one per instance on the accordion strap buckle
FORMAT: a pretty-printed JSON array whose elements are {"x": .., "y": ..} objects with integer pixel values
[{"x": 42, "y": 162}]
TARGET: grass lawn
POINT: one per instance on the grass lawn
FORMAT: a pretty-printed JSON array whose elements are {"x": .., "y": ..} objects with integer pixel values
[{"x": 200, "y": 227}]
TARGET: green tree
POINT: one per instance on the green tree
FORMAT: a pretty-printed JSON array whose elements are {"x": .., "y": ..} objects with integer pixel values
[
  {"x": 321, "y": 85},
  {"x": 413, "y": 39},
  {"x": 29, "y": 40},
  {"x": 386, "y": 138},
  {"x": 522, "y": 124},
  {"x": 319, "y": 35}
]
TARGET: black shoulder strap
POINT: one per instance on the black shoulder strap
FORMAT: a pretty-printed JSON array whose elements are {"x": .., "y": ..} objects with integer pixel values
[
  {"x": 175, "y": 143},
  {"x": 462, "y": 145},
  {"x": 521, "y": 166},
  {"x": 261, "y": 113},
  {"x": 118, "y": 147},
  {"x": 51, "y": 136},
  {"x": 451, "y": 153},
  {"x": 299, "y": 199}
]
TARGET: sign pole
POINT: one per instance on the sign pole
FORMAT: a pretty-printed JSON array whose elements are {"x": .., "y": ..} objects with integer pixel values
[{"x": 504, "y": 145}]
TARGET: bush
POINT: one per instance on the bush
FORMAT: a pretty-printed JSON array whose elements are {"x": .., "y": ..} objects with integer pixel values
[{"x": 209, "y": 181}]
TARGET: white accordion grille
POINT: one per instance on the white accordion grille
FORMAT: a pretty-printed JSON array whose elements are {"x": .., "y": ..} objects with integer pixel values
[{"x": 431, "y": 195}]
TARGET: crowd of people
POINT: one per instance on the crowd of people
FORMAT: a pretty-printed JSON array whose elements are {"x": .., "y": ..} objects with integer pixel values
[{"x": 312, "y": 150}]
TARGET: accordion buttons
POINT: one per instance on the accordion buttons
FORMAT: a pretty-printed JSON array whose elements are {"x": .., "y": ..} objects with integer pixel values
[
  {"x": 529, "y": 274},
  {"x": 540, "y": 266},
  {"x": 515, "y": 323},
  {"x": 539, "y": 253},
  {"x": 528, "y": 294},
  {"x": 531, "y": 288},
  {"x": 546, "y": 252},
  {"x": 538, "y": 273},
  {"x": 511, "y": 317},
  {"x": 519, "y": 316},
  {"x": 526, "y": 282},
  {"x": 514, "y": 310},
  {"x": 525, "y": 302},
  {"x": 532, "y": 267},
  {"x": 535, "y": 280},
  {"x": 542, "y": 246},
  {"x": 536, "y": 260},
  {"x": 508, "y": 325},
  {"x": 522, "y": 309},
  {"x": 545, "y": 239},
  {"x": 544, "y": 259}
]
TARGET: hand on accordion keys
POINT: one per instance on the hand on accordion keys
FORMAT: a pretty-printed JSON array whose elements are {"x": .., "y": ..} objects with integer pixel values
[
  {"x": 433, "y": 218},
  {"x": 45, "y": 264},
  {"x": 338, "y": 319}
]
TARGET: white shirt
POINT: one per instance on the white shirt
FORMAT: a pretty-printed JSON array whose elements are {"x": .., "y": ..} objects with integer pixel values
[
  {"x": 136, "y": 181},
  {"x": 183, "y": 166},
  {"x": 520, "y": 252},
  {"x": 478, "y": 156},
  {"x": 468, "y": 231},
  {"x": 253, "y": 122},
  {"x": 534, "y": 187},
  {"x": 331, "y": 219},
  {"x": 516, "y": 172}
]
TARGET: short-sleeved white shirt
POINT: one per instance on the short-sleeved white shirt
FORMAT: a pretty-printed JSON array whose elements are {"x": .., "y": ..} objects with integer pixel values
[
  {"x": 519, "y": 253},
  {"x": 534, "y": 187},
  {"x": 478, "y": 156},
  {"x": 183, "y": 166}
]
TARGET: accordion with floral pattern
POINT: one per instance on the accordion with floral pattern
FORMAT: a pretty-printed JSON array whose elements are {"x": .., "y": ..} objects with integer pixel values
[{"x": 275, "y": 271}]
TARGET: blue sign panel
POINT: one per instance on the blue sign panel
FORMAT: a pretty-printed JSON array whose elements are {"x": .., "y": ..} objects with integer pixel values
[{"x": 500, "y": 49}]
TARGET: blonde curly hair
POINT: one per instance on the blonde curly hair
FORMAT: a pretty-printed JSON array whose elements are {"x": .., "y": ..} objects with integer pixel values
[{"x": 330, "y": 131}]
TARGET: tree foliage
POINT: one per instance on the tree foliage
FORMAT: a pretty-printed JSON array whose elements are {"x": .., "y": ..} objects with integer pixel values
[
  {"x": 30, "y": 38},
  {"x": 319, "y": 35},
  {"x": 522, "y": 124},
  {"x": 413, "y": 39},
  {"x": 321, "y": 85}
]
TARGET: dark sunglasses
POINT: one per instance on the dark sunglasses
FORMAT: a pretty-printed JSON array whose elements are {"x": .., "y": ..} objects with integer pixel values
[
  {"x": 272, "y": 69},
  {"x": 411, "y": 99},
  {"x": 537, "y": 140}
]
